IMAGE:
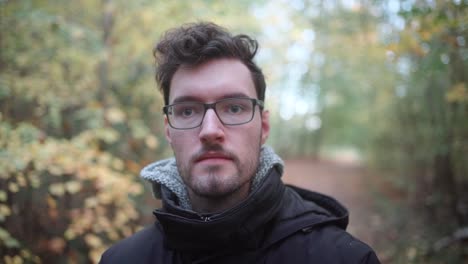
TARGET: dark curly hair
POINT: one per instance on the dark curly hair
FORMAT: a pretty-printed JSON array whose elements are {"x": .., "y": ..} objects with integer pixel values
[{"x": 196, "y": 43}]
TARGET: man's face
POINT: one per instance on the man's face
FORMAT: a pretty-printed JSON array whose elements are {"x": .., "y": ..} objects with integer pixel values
[{"x": 216, "y": 160}]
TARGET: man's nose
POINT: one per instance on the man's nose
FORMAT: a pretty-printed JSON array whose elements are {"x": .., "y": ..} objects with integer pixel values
[{"x": 212, "y": 129}]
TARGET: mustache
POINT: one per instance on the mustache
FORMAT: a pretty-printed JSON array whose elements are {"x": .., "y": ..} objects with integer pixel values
[{"x": 213, "y": 148}]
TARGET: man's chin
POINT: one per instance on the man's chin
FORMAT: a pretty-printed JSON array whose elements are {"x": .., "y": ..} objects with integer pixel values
[
  {"x": 214, "y": 186},
  {"x": 214, "y": 171}
]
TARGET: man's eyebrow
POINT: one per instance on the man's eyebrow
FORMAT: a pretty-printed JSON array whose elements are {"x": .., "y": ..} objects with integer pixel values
[
  {"x": 186, "y": 98},
  {"x": 190, "y": 98},
  {"x": 234, "y": 95}
]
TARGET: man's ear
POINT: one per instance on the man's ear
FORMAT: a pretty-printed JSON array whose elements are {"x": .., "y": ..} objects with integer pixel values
[
  {"x": 265, "y": 125},
  {"x": 167, "y": 130}
]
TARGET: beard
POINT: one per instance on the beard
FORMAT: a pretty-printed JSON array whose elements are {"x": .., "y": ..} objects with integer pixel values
[{"x": 218, "y": 181}]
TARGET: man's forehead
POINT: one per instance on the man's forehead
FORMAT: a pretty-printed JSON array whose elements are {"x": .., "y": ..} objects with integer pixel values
[
  {"x": 213, "y": 80},
  {"x": 220, "y": 66}
]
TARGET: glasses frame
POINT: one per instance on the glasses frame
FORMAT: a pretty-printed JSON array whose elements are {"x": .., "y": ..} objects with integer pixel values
[{"x": 207, "y": 106}]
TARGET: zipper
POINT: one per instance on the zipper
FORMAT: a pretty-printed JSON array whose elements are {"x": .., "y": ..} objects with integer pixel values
[
  {"x": 184, "y": 218},
  {"x": 205, "y": 218}
]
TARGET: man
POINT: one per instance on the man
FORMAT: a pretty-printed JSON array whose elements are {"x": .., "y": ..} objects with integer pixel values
[{"x": 223, "y": 198}]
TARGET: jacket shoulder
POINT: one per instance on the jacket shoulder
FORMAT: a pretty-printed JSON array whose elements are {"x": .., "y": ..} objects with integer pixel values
[
  {"x": 340, "y": 245},
  {"x": 142, "y": 247},
  {"x": 323, "y": 244},
  {"x": 312, "y": 228}
]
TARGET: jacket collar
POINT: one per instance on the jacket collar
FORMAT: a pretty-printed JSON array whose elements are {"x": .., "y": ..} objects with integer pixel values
[
  {"x": 304, "y": 210},
  {"x": 243, "y": 226}
]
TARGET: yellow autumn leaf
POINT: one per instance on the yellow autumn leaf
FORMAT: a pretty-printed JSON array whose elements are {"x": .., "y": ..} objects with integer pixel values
[
  {"x": 51, "y": 202},
  {"x": 73, "y": 186},
  {"x": 13, "y": 260},
  {"x": 69, "y": 234},
  {"x": 5, "y": 210},
  {"x": 3, "y": 196},
  {"x": 4, "y": 176},
  {"x": 13, "y": 187},
  {"x": 117, "y": 164},
  {"x": 104, "y": 222},
  {"x": 458, "y": 93},
  {"x": 95, "y": 254},
  {"x": 68, "y": 163},
  {"x": 57, "y": 189},
  {"x": 136, "y": 189},
  {"x": 35, "y": 180},
  {"x": 55, "y": 170},
  {"x": 101, "y": 210},
  {"x": 104, "y": 158},
  {"x": 21, "y": 180},
  {"x": 36, "y": 259},
  {"x": 92, "y": 240},
  {"x": 126, "y": 231},
  {"x": 425, "y": 35},
  {"x": 112, "y": 234},
  {"x": 411, "y": 253},
  {"x": 115, "y": 115},
  {"x": 56, "y": 245},
  {"x": 7, "y": 259},
  {"x": 105, "y": 198},
  {"x": 121, "y": 219},
  {"x": 151, "y": 141},
  {"x": 91, "y": 202},
  {"x": 25, "y": 253},
  {"x": 17, "y": 260}
]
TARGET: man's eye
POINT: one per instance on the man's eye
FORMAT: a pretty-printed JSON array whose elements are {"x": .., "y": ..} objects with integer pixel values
[
  {"x": 235, "y": 109},
  {"x": 186, "y": 112}
]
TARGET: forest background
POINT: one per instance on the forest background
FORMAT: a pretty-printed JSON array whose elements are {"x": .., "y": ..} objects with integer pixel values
[{"x": 80, "y": 113}]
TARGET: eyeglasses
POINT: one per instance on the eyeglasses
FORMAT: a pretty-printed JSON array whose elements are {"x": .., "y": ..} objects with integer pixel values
[{"x": 231, "y": 111}]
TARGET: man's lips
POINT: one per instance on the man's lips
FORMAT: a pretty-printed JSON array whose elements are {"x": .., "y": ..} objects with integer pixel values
[{"x": 213, "y": 156}]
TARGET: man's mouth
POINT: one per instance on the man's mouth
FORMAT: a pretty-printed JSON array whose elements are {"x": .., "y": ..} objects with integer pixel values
[{"x": 213, "y": 156}]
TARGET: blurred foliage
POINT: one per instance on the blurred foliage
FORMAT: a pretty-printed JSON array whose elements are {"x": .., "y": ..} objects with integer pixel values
[
  {"x": 387, "y": 78},
  {"x": 80, "y": 116},
  {"x": 424, "y": 140},
  {"x": 337, "y": 62},
  {"x": 80, "y": 113},
  {"x": 62, "y": 197}
]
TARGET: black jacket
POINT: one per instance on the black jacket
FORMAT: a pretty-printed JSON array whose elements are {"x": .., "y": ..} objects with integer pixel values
[{"x": 275, "y": 224}]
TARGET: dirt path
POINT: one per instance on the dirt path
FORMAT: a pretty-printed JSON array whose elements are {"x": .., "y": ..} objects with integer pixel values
[{"x": 345, "y": 181}]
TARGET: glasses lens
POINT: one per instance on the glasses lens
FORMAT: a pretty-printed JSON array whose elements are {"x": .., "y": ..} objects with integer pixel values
[
  {"x": 186, "y": 115},
  {"x": 235, "y": 111}
]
